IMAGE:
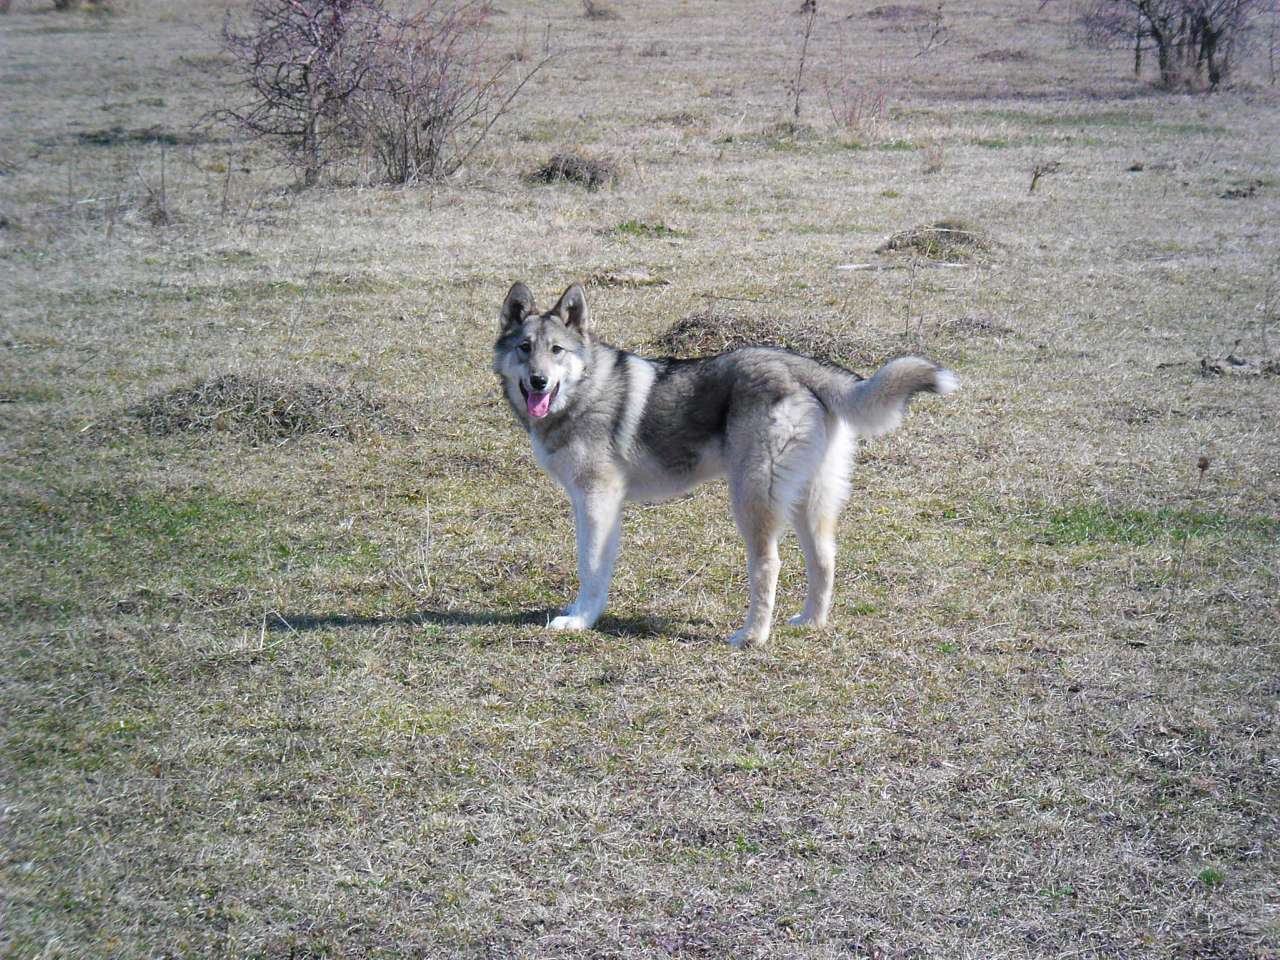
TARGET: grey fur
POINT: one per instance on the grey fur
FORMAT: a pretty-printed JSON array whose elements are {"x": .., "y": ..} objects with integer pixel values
[{"x": 611, "y": 426}]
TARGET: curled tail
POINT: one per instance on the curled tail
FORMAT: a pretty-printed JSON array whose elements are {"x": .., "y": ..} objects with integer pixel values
[{"x": 876, "y": 406}]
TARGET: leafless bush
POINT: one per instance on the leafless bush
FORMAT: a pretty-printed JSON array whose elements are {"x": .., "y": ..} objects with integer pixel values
[
  {"x": 1195, "y": 41},
  {"x": 302, "y": 60},
  {"x": 329, "y": 78},
  {"x": 594, "y": 10},
  {"x": 933, "y": 158},
  {"x": 858, "y": 109},
  {"x": 430, "y": 96},
  {"x": 933, "y": 33}
]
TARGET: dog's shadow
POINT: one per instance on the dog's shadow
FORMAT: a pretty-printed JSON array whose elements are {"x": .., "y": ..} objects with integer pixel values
[{"x": 620, "y": 626}]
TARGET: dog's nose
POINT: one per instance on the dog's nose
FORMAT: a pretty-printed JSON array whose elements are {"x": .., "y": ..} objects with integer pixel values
[{"x": 538, "y": 383}]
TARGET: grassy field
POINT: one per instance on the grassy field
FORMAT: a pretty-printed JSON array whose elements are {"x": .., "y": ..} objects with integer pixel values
[{"x": 275, "y": 564}]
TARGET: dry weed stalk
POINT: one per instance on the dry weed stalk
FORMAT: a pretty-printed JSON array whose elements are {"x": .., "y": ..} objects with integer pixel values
[
  {"x": 1202, "y": 465},
  {"x": 1041, "y": 170},
  {"x": 933, "y": 158},
  {"x": 810, "y": 11},
  {"x": 934, "y": 33}
]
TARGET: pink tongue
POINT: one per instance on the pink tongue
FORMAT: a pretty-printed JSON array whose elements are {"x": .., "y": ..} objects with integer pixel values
[{"x": 539, "y": 403}]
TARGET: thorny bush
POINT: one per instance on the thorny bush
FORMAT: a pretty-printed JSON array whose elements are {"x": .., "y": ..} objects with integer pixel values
[{"x": 332, "y": 80}]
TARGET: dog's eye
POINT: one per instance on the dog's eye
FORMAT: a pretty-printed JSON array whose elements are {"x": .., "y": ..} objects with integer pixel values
[
  {"x": 525, "y": 347},
  {"x": 557, "y": 349}
]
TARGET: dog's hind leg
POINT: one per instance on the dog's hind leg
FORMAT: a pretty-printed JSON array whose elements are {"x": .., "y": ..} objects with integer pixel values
[
  {"x": 760, "y": 525},
  {"x": 815, "y": 518},
  {"x": 815, "y": 530},
  {"x": 597, "y": 517}
]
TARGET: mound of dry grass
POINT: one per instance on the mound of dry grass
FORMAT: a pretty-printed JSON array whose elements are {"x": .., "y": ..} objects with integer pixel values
[
  {"x": 951, "y": 241},
  {"x": 265, "y": 408},
  {"x": 1005, "y": 56},
  {"x": 898, "y": 11},
  {"x": 591, "y": 172},
  {"x": 707, "y": 332}
]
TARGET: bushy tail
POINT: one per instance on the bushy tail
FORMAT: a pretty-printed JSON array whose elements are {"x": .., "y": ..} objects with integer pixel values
[{"x": 876, "y": 406}]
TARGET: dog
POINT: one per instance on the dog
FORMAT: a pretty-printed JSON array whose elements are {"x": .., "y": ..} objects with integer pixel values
[{"x": 611, "y": 426}]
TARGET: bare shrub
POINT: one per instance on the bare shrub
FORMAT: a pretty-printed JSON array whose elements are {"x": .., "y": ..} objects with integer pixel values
[
  {"x": 330, "y": 78},
  {"x": 595, "y": 10},
  {"x": 933, "y": 33},
  {"x": 428, "y": 98},
  {"x": 301, "y": 61},
  {"x": 933, "y": 158},
  {"x": 590, "y": 172},
  {"x": 858, "y": 109},
  {"x": 1195, "y": 41}
]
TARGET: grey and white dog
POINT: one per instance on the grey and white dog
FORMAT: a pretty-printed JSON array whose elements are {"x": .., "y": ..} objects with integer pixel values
[{"x": 611, "y": 426}]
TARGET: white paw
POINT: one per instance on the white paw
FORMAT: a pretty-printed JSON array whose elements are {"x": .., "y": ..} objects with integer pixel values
[
  {"x": 569, "y": 623},
  {"x": 742, "y": 639},
  {"x": 807, "y": 620}
]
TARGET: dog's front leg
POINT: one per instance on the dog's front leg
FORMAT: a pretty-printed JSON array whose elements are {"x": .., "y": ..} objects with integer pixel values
[{"x": 597, "y": 518}]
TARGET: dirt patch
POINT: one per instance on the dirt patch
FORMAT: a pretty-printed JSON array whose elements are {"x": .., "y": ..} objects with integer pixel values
[
  {"x": 1234, "y": 366},
  {"x": 950, "y": 241},
  {"x": 973, "y": 327},
  {"x": 626, "y": 278},
  {"x": 708, "y": 332},
  {"x": 1005, "y": 56},
  {"x": 591, "y": 172},
  {"x": 113, "y": 136},
  {"x": 266, "y": 408},
  {"x": 898, "y": 11},
  {"x": 1242, "y": 192}
]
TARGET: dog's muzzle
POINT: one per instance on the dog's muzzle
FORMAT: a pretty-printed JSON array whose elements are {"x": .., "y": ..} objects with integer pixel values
[{"x": 538, "y": 400}]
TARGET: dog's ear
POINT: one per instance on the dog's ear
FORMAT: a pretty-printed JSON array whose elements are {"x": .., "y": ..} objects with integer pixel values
[
  {"x": 517, "y": 306},
  {"x": 572, "y": 308}
]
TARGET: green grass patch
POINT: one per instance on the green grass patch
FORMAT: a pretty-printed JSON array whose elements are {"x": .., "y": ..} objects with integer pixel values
[
  {"x": 1098, "y": 523},
  {"x": 648, "y": 230},
  {"x": 1211, "y": 877},
  {"x": 155, "y": 544}
]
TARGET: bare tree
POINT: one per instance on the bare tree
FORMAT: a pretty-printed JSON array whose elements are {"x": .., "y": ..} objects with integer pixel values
[
  {"x": 330, "y": 78},
  {"x": 432, "y": 93},
  {"x": 1194, "y": 40},
  {"x": 302, "y": 59}
]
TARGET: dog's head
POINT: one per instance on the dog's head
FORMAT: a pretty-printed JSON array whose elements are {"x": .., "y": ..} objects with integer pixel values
[{"x": 541, "y": 357}]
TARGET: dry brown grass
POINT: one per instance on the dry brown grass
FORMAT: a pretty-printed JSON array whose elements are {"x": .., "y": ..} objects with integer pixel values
[
  {"x": 949, "y": 241},
  {"x": 262, "y": 408},
  {"x": 295, "y": 698},
  {"x": 590, "y": 172},
  {"x": 715, "y": 330}
]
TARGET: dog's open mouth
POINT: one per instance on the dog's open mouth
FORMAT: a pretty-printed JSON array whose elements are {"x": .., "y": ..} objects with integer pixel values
[{"x": 539, "y": 404}]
